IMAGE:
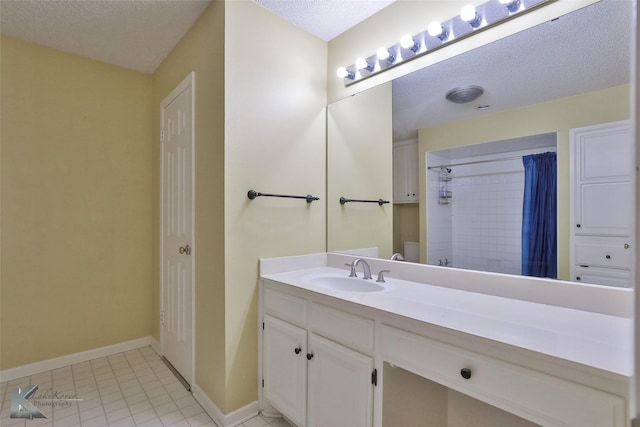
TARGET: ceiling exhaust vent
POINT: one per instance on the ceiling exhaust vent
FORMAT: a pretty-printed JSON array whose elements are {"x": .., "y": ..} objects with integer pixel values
[{"x": 462, "y": 95}]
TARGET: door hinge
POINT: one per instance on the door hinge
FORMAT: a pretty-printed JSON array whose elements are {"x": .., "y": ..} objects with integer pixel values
[
  {"x": 162, "y": 318},
  {"x": 374, "y": 377},
  {"x": 163, "y": 135}
]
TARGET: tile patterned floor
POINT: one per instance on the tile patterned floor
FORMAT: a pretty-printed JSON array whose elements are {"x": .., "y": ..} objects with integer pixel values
[{"x": 134, "y": 388}]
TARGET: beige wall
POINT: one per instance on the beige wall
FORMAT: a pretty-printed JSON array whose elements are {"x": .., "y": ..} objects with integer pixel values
[
  {"x": 360, "y": 165},
  {"x": 275, "y": 86},
  {"x": 200, "y": 50},
  {"x": 406, "y": 225},
  {"x": 559, "y": 116},
  {"x": 76, "y": 204}
]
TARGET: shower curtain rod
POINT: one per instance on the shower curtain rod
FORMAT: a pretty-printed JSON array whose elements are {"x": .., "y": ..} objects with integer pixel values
[{"x": 476, "y": 162}]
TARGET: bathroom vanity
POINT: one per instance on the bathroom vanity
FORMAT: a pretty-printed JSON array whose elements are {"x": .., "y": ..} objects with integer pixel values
[{"x": 553, "y": 353}]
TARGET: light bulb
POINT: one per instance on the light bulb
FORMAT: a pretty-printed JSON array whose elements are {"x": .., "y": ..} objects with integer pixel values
[
  {"x": 408, "y": 42},
  {"x": 362, "y": 64},
  {"x": 436, "y": 29},
  {"x": 469, "y": 14},
  {"x": 383, "y": 53},
  {"x": 343, "y": 73}
]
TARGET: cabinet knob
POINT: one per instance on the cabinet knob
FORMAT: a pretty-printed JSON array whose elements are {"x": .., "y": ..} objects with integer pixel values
[
  {"x": 626, "y": 246},
  {"x": 309, "y": 356},
  {"x": 466, "y": 373},
  {"x": 298, "y": 350},
  {"x": 578, "y": 225},
  {"x": 578, "y": 278},
  {"x": 607, "y": 256}
]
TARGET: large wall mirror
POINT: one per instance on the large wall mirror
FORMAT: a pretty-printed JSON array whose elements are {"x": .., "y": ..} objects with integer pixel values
[{"x": 561, "y": 87}]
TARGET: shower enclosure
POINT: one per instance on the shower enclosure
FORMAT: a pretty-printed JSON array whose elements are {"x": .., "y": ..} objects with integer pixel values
[{"x": 475, "y": 204}]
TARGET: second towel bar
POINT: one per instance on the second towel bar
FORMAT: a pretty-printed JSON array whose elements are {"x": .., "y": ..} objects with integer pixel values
[
  {"x": 252, "y": 194},
  {"x": 380, "y": 202}
]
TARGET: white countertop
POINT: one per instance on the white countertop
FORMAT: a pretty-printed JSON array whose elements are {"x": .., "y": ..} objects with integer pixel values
[{"x": 593, "y": 339}]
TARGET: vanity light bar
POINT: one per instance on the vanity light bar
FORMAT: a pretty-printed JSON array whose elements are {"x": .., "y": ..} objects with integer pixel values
[{"x": 471, "y": 20}]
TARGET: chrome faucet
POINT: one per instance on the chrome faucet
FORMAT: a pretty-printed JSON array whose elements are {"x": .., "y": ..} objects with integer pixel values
[
  {"x": 365, "y": 268},
  {"x": 397, "y": 256}
]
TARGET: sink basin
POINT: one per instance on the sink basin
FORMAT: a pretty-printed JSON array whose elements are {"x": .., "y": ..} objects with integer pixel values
[{"x": 344, "y": 283}]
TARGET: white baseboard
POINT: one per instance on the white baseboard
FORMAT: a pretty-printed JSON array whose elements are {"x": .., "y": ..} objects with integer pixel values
[
  {"x": 232, "y": 419},
  {"x": 155, "y": 345},
  {"x": 70, "y": 359}
]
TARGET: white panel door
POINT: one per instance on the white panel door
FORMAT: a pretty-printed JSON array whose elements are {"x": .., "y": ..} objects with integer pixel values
[
  {"x": 340, "y": 392},
  {"x": 177, "y": 229},
  {"x": 603, "y": 174},
  {"x": 285, "y": 368}
]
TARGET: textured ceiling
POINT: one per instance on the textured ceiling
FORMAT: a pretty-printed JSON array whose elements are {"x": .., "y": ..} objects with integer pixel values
[
  {"x": 583, "y": 51},
  {"x": 136, "y": 34},
  {"x": 325, "y": 18}
]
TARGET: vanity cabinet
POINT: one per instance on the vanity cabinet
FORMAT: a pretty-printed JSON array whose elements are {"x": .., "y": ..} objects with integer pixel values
[
  {"x": 340, "y": 392},
  {"x": 285, "y": 367},
  {"x": 313, "y": 369},
  {"x": 550, "y": 365},
  {"x": 533, "y": 395},
  {"x": 602, "y": 204},
  {"x": 405, "y": 172}
]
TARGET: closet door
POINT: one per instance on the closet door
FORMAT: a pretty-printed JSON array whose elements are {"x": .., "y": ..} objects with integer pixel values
[{"x": 603, "y": 176}]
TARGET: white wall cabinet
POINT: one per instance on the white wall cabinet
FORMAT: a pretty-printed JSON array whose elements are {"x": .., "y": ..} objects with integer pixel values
[
  {"x": 602, "y": 205},
  {"x": 405, "y": 172},
  {"x": 313, "y": 379}
]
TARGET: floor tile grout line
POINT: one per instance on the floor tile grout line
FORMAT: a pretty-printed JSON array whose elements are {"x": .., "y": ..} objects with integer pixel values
[
  {"x": 142, "y": 386},
  {"x": 53, "y": 385},
  {"x": 169, "y": 394},
  {"x": 95, "y": 381},
  {"x": 120, "y": 388},
  {"x": 122, "y": 391},
  {"x": 163, "y": 387},
  {"x": 73, "y": 381}
]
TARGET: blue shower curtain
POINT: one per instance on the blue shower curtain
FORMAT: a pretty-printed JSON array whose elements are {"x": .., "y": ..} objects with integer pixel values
[{"x": 539, "y": 216}]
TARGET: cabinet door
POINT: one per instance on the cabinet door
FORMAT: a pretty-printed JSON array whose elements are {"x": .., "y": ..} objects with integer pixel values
[
  {"x": 340, "y": 388},
  {"x": 405, "y": 172},
  {"x": 285, "y": 368},
  {"x": 603, "y": 177}
]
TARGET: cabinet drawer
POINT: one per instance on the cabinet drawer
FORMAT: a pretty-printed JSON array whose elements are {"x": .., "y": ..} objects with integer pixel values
[
  {"x": 345, "y": 328},
  {"x": 285, "y": 307},
  {"x": 540, "y": 398},
  {"x": 611, "y": 255},
  {"x": 604, "y": 276}
]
